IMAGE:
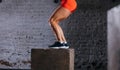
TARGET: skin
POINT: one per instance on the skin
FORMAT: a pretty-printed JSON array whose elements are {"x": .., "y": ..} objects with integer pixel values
[{"x": 60, "y": 14}]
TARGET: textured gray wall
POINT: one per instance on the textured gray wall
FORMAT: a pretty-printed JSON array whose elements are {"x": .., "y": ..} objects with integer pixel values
[
  {"x": 87, "y": 32},
  {"x": 114, "y": 38},
  {"x": 23, "y": 25}
]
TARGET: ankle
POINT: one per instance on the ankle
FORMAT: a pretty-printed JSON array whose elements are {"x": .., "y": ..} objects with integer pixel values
[
  {"x": 65, "y": 42},
  {"x": 61, "y": 42}
]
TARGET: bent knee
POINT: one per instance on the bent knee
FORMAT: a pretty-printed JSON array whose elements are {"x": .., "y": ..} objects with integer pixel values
[{"x": 53, "y": 21}]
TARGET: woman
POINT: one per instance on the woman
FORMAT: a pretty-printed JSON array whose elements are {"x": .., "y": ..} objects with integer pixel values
[{"x": 66, "y": 8}]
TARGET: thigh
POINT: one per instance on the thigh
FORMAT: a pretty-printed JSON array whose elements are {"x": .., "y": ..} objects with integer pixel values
[{"x": 61, "y": 13}]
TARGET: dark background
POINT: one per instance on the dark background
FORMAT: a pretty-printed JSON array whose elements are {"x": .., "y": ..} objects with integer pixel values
[{"x": 88, "y": 34}]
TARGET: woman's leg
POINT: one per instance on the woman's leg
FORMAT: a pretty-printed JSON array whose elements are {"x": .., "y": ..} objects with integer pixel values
[{"x": 60, "y": 14}]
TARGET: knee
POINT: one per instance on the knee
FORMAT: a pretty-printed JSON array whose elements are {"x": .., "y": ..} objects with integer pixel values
[{"x": 53, "y": 21}]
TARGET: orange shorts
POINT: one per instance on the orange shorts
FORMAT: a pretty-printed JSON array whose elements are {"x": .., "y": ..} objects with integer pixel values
[{"x": 71, "y": 5}]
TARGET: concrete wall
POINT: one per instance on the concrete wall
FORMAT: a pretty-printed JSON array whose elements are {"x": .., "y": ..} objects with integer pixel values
[
  {"x": 114, "y": 38},
  {"x": 87, "y": 33},
  {"x": 23, "y": 25}
]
